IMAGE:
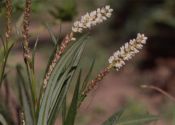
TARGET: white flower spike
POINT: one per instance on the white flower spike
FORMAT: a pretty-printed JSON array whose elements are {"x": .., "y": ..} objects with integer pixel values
[
  {"x": 91, "y": 19},
  {"x": 126, "y": 52}
]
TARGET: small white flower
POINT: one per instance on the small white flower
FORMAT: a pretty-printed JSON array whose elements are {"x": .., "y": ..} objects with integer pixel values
[
  {"x": 76, "y": 23},
  {"x": 73, "y": 39},
  {"x": 108, "y": 15},
  {"x": 116, "y": 54},
  {"x": 111, "y": 59},
  {"x": 74, "y": 29}
]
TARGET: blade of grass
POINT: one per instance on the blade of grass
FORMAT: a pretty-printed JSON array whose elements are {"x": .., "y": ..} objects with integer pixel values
[
  {"x": 70, "y": 119},
  {"x": 33, "y": 54},
  {"x": 6, "y": 54},
  {"x": 86, "y": 80},
  {"x": 53, "y": 37},
  {"x": 2, "y": 120},
  {"x": 114, "y": 119},
  {"x": 139, "y": 120},
  {"x": 45, "y": 103},
  {"x": 64, "y": 109},
  {"x": 25, "y": 98},
  {"x": 71, "y": 72}
]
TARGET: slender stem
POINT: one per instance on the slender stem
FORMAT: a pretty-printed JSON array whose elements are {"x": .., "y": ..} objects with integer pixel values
[
  {"x": 6, "y": 54},
  {"x": 159, "y": 90},
  {"x": 94, "y": 83},
  {"x": 3, "y": 68}
]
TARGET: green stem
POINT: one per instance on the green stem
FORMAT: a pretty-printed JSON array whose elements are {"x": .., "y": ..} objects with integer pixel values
[{"x": 6, "y": 54}]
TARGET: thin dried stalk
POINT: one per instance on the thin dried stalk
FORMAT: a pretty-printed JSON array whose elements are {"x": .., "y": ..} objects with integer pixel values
[
  {"x": 97, "y": 80},
  {"x": 8, "y": 4},
  {"x": 27, "y": 53},
  {"x": 159, "y": 90},
  {"x": 26, "y": 22}
]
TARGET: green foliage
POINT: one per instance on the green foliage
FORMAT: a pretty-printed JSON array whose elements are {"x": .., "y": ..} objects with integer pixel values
[
  {"x": 5, "y": 114},
  {"x": 45, "y": 108},
  {"x": 70, "y": 119},
  {"x": 113, "y": 120},
  {"x": 64, "y": 11},
  {"x": 25, "y": 98},
  {"x": 2, "y": 4},
  {"x": 62, "y": 73},
  {"x": 119, "y": 118},
  {"x": 2, "y": 120},
  {"x": 4, "y": 53},
  {"x": 138, "y": 120}
]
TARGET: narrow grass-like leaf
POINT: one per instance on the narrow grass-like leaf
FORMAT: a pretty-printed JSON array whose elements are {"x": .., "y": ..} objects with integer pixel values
[
  {"x": 2, "y": 120},
  {"x": 60, "y": 66},
  {"x": 25, "y": 98},
  {"x": 138, "y": 120},
  {"x": 6, "y": 113},
  {"x": 114, "y": 119},
  {"x": 58, "y": 104},
  {"x": 86, "y": 80},
  {"x": 64, "y": 109},
  {"x": 71, "y": 72},
  {"x": 4, "y": 60},
  {"x": 53, "y": 37},
  {"x": 3, "y": 48},
  {"x": 33, "y": 53},
  {"x": 56, "y": 46},
  {"x": 70, "y": 119}
]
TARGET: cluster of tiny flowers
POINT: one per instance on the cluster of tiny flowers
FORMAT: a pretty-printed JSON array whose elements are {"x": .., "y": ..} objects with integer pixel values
[
  {"x": 126, "y": 52},
  {"x": 91, "y": 19}
]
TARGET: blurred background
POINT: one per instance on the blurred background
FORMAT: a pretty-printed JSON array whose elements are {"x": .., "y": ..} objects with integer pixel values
[{"x": 154, "y": 65}]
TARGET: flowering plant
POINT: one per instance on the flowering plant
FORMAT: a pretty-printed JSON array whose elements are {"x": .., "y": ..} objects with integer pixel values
[{"x": 42, "y": 107}]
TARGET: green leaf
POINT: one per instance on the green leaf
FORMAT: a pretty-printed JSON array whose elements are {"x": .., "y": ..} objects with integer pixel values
[
  {"x": 2, "y": 120},
  {"x": 86, "y": 80},
  {"x": 70, "y": 69},
  {"x": 55, "y": 41},
  {"x": 138, "y": 120},
  {"x": 25, "y": 98},
  {"x": 52, "y": 92},
  {"x": 4, "y": 53},
  {"x": 113, "y": 120},
  {"x": 59, "y": 100},
  {"x": 53, "y": 37},
  {"x": 64, "y": 109},
  {"x": 33, "y": 54},
  {"x": 70, "y": 119},
  {"x": 65, "y": 11},
  {"x": 58, "y": 104}
]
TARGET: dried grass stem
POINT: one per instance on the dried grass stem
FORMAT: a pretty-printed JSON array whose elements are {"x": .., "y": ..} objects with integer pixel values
[
  {"x": 26, "y": 22},
  {"x": 97, "y": 80}
]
